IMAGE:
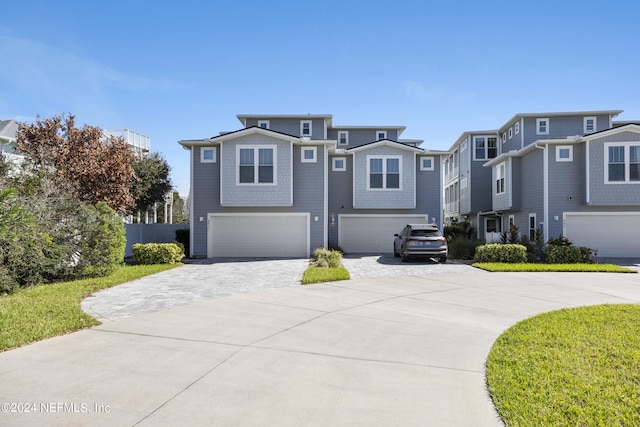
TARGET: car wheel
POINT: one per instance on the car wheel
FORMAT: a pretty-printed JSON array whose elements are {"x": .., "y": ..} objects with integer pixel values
[
  {"x": 404, "y": 258},
  {"x": 443, "y": 259},
  {"x": 395, "y": 254}
]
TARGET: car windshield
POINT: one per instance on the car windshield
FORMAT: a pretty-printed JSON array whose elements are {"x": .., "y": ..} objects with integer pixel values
[{"x": 425, "y": 233}]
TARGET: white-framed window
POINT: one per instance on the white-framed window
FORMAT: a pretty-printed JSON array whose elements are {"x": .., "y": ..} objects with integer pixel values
[
  {"x": 463, "y": 146},
  {"x": 485, "y": 147},
  {"x": 306, "y": 128},
  {"x": 426, "y": 163},
  {"x": 512, "y": 221},
  {"x": 500, "y": 178},
  {"x": 510, "y": 133},
  {"x": 516, "y": 128},
  {"x": 256, "y": 164},
  {"x": 264, "y": 124},
  {"x": 463, "y": 183},
  {"x": 339, "y": 164},
  {"x": 504, "y": 137},
  {"x": 381, "y": 134},
  {"x": 564, "y": 153},
  {"x": 207, "y": 155},
  {"x": 343, "y": 137},
  {"x": 542, "y": 126},
  {"x": 622, "y": 162},
  {"x": 532, "y": 227},
  {"x": 590, "y": 124},
  {"x": 384, "y": 173},
  {"x": 309, "y": 155}
]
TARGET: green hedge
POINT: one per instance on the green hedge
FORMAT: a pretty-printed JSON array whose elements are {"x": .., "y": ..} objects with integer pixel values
[
  {"x": 157, "y": 253},
  {"x": 567, "y": 254},
  {"x": 495, "y": 252}
]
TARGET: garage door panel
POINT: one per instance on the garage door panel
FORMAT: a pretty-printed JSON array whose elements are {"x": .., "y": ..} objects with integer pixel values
[
  {"x": 613, "y": 235},
  {"x": 372, "y": 233},
  {"x": 258, "y": 235}
]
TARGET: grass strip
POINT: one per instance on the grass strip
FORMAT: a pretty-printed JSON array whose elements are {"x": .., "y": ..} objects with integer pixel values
[
  {"x": 533, "y": 267},
  {"x": 324, "y": 274},
  {"x": 44, "y": 311},
  {"x": 578, "y": 367}
]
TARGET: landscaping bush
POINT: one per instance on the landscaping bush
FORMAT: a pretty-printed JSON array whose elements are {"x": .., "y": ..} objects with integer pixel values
[
  {"x": 557, "y": 254},
  {"x": 157, "y": 253},
  {"x": 462, "y": 248},
  {"x": 496, "y": 252},
  {"x": 102, "y": 242},
  {"x": 327, "y": 258}
]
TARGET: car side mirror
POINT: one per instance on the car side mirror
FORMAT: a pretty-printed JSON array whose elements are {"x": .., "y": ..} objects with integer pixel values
[{"x": 395, "y": 235}]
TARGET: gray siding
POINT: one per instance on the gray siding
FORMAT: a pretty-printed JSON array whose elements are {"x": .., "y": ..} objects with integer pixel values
[
  {"x": 610, "y": 194},
  {"x": 560, "y": 127},
  {"x": 566, "y": 187},
  {"x": 381, "y": 199},
  {"x": 205, "y": 198},
  {"x": 480, "y": 187},
  {"x": 428, "y": 197},
  {"x": 502, "y": 201},
  {"x": 258, "y": 194},
  {"x": 291, "y": 126},
  {"x": 515, "y": 142},
  {"x": 359, "y": 137},
  {"x": 308, "y": 196},
  {"x": 532, "y": 194}
]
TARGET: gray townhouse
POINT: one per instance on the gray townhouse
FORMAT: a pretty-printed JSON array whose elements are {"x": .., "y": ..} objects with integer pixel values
[
  {"x": 575, "y": 174},
  {"x": 283, "y": 185}
]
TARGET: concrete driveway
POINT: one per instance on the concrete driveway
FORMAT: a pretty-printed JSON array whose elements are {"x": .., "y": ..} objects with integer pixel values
[{"x": 403, "y": 350}]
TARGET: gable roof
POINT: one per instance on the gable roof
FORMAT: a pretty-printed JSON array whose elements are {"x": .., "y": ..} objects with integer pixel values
[
  {"x": 384, "y": 142},
  {"x": 243, "y": 117},
  {"x": 465, "y": 134},
  {"x": 251, "y": 131}
]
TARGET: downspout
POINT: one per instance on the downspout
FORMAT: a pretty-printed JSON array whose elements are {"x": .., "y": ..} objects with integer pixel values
[{"x": 545, "y": 191}]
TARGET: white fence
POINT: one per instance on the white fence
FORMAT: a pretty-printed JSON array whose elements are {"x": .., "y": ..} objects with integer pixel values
[{"x": 151, "y": 233}]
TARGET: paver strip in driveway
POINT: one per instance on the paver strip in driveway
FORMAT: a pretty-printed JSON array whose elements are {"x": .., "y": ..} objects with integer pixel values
[{"x": 194, "y": 281}]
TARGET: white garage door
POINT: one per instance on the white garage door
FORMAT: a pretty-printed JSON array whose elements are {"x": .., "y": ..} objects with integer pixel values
[
  {"x": 258, "y": 235},
  {"x": 612, "y": 234},
  {"x": 372, "y": 233}
]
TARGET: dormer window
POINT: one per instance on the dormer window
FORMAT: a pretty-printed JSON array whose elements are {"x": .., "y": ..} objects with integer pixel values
[
  {"x": 542, "y": 126},
  {"x": 381, "y": 134},
  {"x": 306, "y": 128}
]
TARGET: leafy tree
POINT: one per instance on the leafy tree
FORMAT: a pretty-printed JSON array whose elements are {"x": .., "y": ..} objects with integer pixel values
[
  {"x": 99, "y": 170},
  {"x": 180, "y": 209},
  {"x": 152, "y": 183}
]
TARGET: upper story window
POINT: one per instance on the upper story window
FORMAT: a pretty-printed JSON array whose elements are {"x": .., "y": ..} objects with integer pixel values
[
  {"x": 343, "y": 137},
  {"x": 622, "y": 161},
  {"x": 516, "y": 128},
  {"x": 564, "y": 153},
  {"x": 306, "y": 128},
  {"x": 256, "y": 165},
  {"x": 383, "y": 173},
  {"x": 504, "y": 137},
  {"x": 381, "y": 134},
  {"x": 264, "y": 124},
  {"x": 542, "y": 126},
  {"x": 426, "y": 163},
  {"x": 510, "y": 133},
  {"x": 208, "y": 155},
  {"x": 309, "y": 154},
  {"x": 463, "y": 146},
  {"x": 590, "y": 124},
  {"x": 500, "y": 178},
  {"x": 339, "y": 164},
  {"x": 486, "y": 147}
]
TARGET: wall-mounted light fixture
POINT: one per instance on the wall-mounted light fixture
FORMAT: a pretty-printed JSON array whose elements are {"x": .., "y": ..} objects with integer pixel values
[
  {"x": 201, "y": 219},
  {"x": 316, "y": 219},
  {"x": 332, "y": 219}
]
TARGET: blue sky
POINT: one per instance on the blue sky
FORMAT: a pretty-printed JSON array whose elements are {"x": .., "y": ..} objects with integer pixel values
[{"x": 183, "y": 70}]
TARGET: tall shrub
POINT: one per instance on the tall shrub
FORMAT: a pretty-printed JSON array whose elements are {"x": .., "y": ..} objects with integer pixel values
[
  {"x": 102, "y": 242},
  {"x": 497, "y": 252}
]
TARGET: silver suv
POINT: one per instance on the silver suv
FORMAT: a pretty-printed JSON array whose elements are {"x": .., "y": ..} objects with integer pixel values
[{"x": 420, "y": 240}]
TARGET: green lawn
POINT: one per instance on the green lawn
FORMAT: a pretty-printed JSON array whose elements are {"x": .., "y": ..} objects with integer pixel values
[
  {"x": 578, "y": 367},
  {"x": 48, "y": 310},
  {"x": 533, "y": 267}
]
